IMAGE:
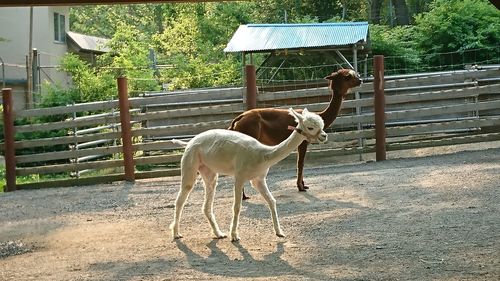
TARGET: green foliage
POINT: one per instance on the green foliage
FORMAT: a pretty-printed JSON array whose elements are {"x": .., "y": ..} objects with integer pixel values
[
  {"x": 56, "y": 95},
  {"x": 2, "y": 169},
  {"x": 396, "y": 45},
  {"x": 300, "y": 11},
  {"x": 181, "y": 37},
  {"x": 104, "y": 20},
  {"x": 89, "y": 85},
  {"x": 461, "y": 26},
  {"x": 321, "y": 9},
  {"x": 189, "y": 38},
  {"x": 2, "y": 178},
  {"x": 129, "y": 58},
  {"x": 193, "y": 43},
  {"x": 194, "y": 72}
]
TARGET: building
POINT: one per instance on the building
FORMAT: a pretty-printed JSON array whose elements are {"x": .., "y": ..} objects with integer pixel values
[
  {"x": 49, "y": 39},
  {"x": 87, "y": 47}
]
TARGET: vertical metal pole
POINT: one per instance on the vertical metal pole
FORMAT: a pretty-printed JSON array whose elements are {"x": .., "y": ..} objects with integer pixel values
[
  {"x": 378, "y": 89},
  {"x": 75, "y": 134},
  {"x": 8, "y": 130},
  {"x": 126, "y": 129},
  {"x": 357, "y": 97},
  {"x": 251, "y": 83},
  {"x": 29, "y": 96},
  {"x": 3, "y": 73},
  {"x": 34, "y": 74},
  {"x": 243, "y": 63},
  {"x": 365, "y": 67}
]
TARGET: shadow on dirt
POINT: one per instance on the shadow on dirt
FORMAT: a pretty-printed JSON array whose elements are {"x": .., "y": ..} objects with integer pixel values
[
  {"x": 31, "y": 212},
  {"x": 217, "y": 263},
  {"x": 292, "y": 205},
  {"x": 271, "y": 266}
]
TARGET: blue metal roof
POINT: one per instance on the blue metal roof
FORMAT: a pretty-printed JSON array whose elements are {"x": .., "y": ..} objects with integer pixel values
[{"x": 264, "y": 37}]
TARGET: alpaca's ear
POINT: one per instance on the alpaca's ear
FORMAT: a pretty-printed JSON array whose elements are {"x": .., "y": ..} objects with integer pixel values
[
  {"x": 298, "y": 117},
  {"x": 331, "y": 76},
  {"x": 305, "y": 111}
]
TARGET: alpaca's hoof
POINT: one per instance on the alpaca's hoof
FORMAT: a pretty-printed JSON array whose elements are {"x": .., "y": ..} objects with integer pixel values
[
  {"x": 220, "y": 236},
  {"x": 235, "y": 237},
  {"x": 302, "y": 187},
  {"x": 280, "y": 234},
  {"x": 177, "y": 236}
]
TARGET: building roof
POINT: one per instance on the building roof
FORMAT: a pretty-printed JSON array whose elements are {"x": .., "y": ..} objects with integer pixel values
[
  {"x": 86, "y": 43},
  {"x": 267, "y": 37}
]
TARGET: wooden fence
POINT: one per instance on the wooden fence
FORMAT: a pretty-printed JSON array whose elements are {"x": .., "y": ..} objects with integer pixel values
[{"x": 423, "y": 110}]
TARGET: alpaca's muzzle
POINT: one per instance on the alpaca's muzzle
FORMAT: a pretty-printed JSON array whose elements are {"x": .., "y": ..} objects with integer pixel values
[{"x": 322, "y": 138}]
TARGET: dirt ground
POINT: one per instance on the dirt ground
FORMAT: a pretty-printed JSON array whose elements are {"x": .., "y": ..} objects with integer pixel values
[{"x": 418, "y": 216}]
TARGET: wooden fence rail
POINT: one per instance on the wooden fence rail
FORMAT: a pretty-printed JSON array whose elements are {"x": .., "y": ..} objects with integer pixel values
[{"x": 421, "y": 110}]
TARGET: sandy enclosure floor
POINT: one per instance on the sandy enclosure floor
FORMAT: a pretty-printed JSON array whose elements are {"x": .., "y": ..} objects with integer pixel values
[{"x": 413, "y": 218}]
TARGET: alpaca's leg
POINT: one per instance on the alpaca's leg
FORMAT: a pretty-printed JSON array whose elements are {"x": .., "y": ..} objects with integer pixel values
[
  {"x": 210, "y": 181},
  {"x": 261, "y": 186},
  {"x": 238, "y": 196},
  {"x": 188, "y": 180},
  {"x": 300, "y": 166}
]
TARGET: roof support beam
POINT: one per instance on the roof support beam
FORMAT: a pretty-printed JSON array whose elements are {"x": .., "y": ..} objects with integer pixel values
[{"x": 344, "y": 59}]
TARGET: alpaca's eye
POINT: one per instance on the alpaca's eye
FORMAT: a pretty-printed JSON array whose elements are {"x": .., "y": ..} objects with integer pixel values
[{"x": 310, "y": 128}]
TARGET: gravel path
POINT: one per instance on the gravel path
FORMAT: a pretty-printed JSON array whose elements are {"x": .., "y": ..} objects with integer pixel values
[{"x": 413, "y": 218}]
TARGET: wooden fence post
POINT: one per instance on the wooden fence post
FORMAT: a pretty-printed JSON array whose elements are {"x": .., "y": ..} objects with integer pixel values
[
  {"x": 378, "y": 88},
  {"x": 126, "y": 129},
  {"x": 9, "y": 133},
  {"x": 251, "y": 82}
]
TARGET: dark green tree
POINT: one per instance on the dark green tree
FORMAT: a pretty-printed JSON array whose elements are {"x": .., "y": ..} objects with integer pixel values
[
  {"x": 469, "y": 27},
  {"x": 397, "y": 46}
]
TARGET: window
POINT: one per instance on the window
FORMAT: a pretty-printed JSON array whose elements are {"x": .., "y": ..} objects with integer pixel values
[{"x": 59, "y": 28}]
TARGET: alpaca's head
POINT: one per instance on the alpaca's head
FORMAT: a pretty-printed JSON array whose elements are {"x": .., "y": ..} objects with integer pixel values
[
  {"x": 310, "y": 125},
  {"x": 344, "y": 79}
]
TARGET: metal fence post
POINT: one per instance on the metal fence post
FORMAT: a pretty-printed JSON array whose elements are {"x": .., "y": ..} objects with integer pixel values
[
  {"x": 126, "y": 129},
  {"x": 9, "y": 133},
  {"x": 378, "y": 88},
  {"x": 251, "y": 83},
  {"x": 3, "y": 72}
]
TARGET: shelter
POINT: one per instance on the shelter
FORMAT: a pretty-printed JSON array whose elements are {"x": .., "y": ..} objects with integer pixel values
[
  {"x": 86, "y": 46},
  {"x": 342, "y": 40}
]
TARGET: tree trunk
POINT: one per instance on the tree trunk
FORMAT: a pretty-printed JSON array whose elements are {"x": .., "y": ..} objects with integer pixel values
[
  {"x": 375, "y": 11},
  {"x": 401, "y": 10},
  {"x": 159, "y": 18}
]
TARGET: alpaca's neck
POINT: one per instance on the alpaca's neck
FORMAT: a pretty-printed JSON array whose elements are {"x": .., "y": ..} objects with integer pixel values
[
  {"x": 283, "y": 149},
  {"x": 332, "y": 111}
]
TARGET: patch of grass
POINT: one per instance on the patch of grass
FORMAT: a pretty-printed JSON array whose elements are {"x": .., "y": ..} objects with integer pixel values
[{"x": 2, "y": 178}]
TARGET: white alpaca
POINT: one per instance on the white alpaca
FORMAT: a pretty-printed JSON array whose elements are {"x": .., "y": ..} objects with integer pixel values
[{"x": 228, "y": 152}]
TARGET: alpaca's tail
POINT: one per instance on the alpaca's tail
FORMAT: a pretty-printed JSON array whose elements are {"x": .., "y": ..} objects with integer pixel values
[{"x": 179, "y": 142}]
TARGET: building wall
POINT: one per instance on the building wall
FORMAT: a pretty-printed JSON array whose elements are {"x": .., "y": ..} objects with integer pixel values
[{"x": 15, "y": 30}]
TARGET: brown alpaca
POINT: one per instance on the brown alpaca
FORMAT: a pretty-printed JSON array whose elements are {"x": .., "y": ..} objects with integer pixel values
[{"x": 269, "y": 125}]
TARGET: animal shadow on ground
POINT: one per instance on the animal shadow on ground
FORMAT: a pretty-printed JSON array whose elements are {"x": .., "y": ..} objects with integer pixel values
[
  {"x": 219, "y": 263},
  {"x": 294, "y": 204}
]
